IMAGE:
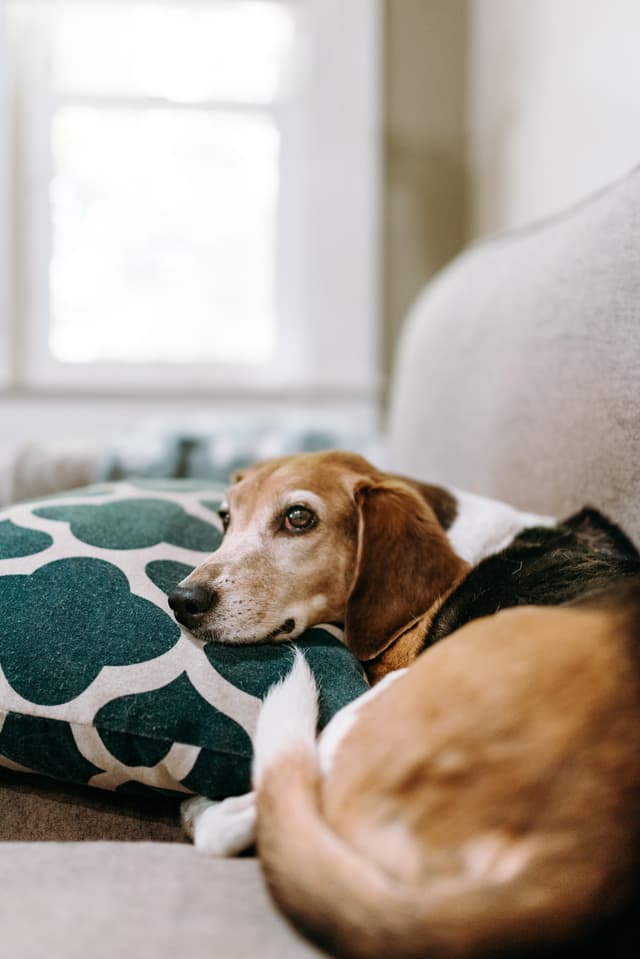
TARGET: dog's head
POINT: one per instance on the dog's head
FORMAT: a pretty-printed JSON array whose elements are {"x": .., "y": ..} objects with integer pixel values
[{"x": 321, "y": 537}]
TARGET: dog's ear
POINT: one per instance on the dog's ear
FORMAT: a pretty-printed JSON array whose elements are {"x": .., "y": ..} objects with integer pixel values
[
  {"x": 404, "y": 563},
  {"x": 442, "y": 502}
]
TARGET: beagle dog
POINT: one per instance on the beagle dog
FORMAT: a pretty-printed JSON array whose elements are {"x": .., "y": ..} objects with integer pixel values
[
  {"x": 486, "y": 797},
  {"x": 326, "y": 537}
]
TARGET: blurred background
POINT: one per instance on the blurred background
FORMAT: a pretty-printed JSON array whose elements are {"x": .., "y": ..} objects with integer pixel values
[{"x": 215, "y": 214}]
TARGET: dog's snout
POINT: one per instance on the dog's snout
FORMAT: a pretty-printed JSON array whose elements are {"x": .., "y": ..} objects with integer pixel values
[{"x": 189, "y": 602}]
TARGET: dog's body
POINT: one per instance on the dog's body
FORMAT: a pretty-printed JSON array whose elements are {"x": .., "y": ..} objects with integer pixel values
[
  {"x": 541, "y": 566},
  {"x": 488, "y": 795},
  {"x": 484, "y": 800}
]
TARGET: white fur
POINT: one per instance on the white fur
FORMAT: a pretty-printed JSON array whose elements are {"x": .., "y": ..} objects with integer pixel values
[
  {"x": 484, "y": 526},
  {"x": 289, "y": 717},
  {"x": 220, "y": 828}
]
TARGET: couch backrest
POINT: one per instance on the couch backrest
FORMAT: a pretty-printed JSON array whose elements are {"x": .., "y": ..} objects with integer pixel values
[{"x": 518, "y": 371}]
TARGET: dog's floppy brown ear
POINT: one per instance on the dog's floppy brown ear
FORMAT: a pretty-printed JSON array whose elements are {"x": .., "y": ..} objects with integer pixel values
[
  {"x": 441, "y": 500},
  {"x": 404, "y": 563}
]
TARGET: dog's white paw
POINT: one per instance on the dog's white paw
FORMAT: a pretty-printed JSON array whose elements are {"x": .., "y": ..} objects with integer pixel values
[
  {"x": 190, "y": 809},
  {"x": 220, "y": 829}
]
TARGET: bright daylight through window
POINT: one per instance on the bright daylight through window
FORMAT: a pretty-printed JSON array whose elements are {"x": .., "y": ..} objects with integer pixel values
[
  {"x": 190, "y": 197},
  {"x": 163, "y": 185}
]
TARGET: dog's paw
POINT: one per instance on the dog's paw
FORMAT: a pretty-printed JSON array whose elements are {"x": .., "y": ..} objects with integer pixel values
[
  {"x": 220, "y": 829},
  {"x": 190, "y": 809}
]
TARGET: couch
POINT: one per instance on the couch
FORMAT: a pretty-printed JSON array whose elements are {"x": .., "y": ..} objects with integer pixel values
[{"x": 517, "y": 377}]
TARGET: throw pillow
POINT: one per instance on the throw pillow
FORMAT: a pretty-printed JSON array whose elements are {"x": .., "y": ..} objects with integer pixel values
[{"x": 98, "y": 683}]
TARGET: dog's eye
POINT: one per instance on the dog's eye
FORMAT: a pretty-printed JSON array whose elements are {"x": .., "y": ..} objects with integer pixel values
[
  {"x": 225, "y": 518},
  {"x": 297, "y": 519}
]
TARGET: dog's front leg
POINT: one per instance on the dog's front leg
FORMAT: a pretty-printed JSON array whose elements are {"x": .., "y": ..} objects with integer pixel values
[{"x": 223, "y": 828}]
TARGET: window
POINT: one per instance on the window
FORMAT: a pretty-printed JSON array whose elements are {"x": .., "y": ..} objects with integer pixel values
[{"x": 194, "y": 191}]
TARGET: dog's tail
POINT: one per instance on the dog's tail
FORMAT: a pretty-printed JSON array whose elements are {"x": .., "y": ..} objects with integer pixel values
[{"x": 346, "y": 903}]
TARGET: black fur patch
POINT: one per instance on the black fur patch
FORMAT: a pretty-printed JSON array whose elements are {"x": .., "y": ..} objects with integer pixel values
[{"x": 543, "y": 566}]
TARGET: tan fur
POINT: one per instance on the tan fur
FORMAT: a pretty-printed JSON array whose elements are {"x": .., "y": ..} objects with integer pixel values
[
  {"x": 375, "y": 534},
  {"x": 487, "y": 799}
]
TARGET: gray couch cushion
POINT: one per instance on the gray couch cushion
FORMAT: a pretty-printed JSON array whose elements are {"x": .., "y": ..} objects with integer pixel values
[
  {"x": 518, "y": 373},
  {"x": 148, "y": 900}
]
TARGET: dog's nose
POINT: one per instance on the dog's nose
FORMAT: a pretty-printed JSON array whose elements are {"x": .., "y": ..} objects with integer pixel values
[{"x": 189, "y": 602}]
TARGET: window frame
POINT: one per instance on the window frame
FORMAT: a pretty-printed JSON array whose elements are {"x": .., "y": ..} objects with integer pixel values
[{"x": 329, "y": 237}]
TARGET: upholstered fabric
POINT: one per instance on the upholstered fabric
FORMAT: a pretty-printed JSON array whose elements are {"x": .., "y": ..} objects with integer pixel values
[
  {"x": 518, "y": 375},
  {"x": 148, "y": 900}
]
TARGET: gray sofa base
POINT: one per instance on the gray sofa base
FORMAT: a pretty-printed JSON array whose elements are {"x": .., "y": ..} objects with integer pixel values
[{"x": 147, "y": 900}]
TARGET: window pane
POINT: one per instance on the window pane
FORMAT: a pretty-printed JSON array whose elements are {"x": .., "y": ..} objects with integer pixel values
[
  {"x": 229, "y": 49},
  {"x": 163, "y": 235}
]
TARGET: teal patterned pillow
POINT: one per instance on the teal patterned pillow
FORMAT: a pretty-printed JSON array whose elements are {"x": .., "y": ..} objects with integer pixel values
[{"x": 98, "y": 683}]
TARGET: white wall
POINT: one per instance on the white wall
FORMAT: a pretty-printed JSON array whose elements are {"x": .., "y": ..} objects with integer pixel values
[{"x": 553, "y": 104}]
